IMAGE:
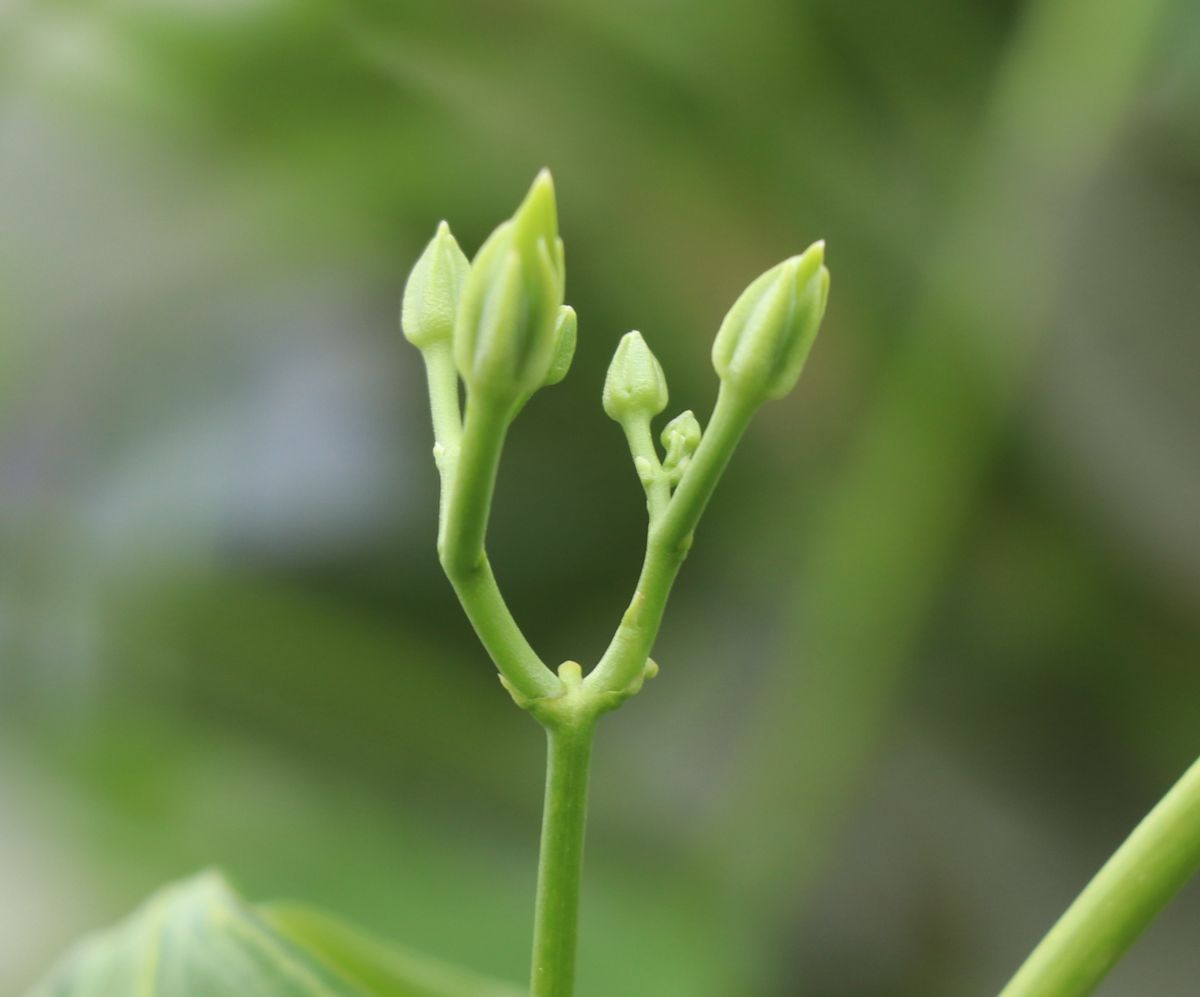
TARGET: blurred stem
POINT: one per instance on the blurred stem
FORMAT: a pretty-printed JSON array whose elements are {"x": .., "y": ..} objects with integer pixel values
[
  {"x": 560, "y": 864},
  {"x": 1153, "y": 864}
]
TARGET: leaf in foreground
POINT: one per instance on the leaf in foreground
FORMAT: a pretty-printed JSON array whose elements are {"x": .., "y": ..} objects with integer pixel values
[{"x": 199, "y": 938}]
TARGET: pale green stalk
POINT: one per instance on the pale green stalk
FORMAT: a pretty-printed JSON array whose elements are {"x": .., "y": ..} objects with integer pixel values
[
  {"x": 668, "y": 541},
  {"x": 560, "y": 863},
  {"x": 1141, "y": 878},
  {"x": 468, "y": 458},
  {"x": 648, "y": 466}
]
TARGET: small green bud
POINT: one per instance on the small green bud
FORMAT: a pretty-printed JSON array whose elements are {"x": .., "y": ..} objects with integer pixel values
[
  {"x": 433, "y": 290},
  {"x": 764, "y": 340},
  {"x": 680, "y": 437},
  {"x": 505, "y": 333},
  {"x": 635, "y": 385},
  {"x": 564, "y": 344}
]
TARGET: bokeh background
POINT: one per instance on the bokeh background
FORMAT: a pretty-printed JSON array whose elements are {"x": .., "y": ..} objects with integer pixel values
[{"x": 935, "y": 650}]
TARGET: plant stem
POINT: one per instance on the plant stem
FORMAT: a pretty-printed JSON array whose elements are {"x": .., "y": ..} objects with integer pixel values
[
  {"x": 468, "y": 463},
  {"x": 667, "y": 545},
  {"x": 731, "y": 415},
  {"x": 477, "y": 463},
  {"x": 654, "y": 481},
  {"x": 560, "y": 865},
  {"x": 442, "y": 377},
  {"x": 1153, "y": 864}
]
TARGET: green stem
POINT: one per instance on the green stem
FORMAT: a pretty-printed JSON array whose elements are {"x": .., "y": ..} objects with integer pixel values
[
  {"x": 654, "y": 481},
  {"x": 472, "y": 485},
  {"x": 442, "y": 376},
  {"x": 560, "y": 865},
  {"x": 667, "y": 545},
  {"x": 1153, "y": 864},
  {"x": 468, "y": 458},
  {"x": 570, "y": 720},
  {"x": 731, "y": 415}
]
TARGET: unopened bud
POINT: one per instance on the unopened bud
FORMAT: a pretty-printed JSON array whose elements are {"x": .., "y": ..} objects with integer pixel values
[
  {"x": 635, "y": 385},
  {"x": 680, "y": 437},
  {"x": 764, "y": 340},
  {"x": 504, "y": 337},
  {"x": 433, "y": 291},
  {"x": 564, "y": 345}
]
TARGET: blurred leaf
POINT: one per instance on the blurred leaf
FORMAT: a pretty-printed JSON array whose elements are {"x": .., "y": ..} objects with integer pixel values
[
  {"x": 382, "y": 970},
  {"x": 199, "y": 937}
]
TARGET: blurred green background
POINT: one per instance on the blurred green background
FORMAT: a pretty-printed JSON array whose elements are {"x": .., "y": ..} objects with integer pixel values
[{"x": 936, "y": 648}]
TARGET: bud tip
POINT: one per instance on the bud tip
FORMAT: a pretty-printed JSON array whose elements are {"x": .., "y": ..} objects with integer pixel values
[{"x": 542, "y": 186}]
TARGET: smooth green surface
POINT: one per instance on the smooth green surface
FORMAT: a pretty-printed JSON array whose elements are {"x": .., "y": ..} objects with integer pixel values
[
  {"x": 560, "y": 865},
  {"x": 1143, "y": 876}
]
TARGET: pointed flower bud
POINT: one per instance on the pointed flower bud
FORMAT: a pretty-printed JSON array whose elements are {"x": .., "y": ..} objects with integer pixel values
[
  {"x": 505, "y": 333},
  {"x": 764, "y": 340},
  {"x": 680, "y": 437},
  {"x": 433, "y": 290},
  {"x": 635, "y": 385},
  {"x": 564, "y": 345}
]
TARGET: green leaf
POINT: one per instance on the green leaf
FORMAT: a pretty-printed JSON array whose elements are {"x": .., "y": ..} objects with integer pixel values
[
  {"x": 198, "y": 938},
  {"x": 381, "y": 969}
]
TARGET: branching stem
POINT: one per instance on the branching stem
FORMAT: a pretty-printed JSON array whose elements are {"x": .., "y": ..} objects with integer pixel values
[
  {"x": 668, "y": 541},
  {"x": 500, "y": 323}
]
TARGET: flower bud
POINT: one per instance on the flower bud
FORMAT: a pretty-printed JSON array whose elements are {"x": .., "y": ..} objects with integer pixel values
[
  {"x": 505, "y": 332},
  {"x": 433, "y": 290},
  {"x": 635, "y": 385},
  {"x": 680, "y": 437},
  {"x": 764, "y": 340},
  {"x": 564, "y": 345}
]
